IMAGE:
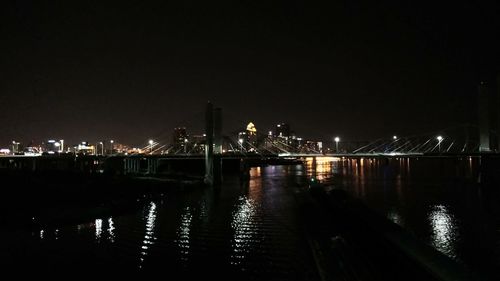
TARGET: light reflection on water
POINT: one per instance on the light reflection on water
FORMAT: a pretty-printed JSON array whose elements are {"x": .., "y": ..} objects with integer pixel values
[
  {"x": 444, "y": 230},
  {"x": 183, "y": 233},
  {"x": 402, "y": 188},
  {"x": 320, "y": 168},
  {"x": 98, "y": 229},
  {"x": 111, "y": 229},
  {"x": 149, "y": 237},
  {"x": 242, "y": 225},
  {"x": 245, "y": 222},
  {"x": 395, "y": 217}
]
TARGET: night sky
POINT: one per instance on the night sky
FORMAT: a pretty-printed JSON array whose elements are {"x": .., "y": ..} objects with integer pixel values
[{"x": 84, "y": 70}]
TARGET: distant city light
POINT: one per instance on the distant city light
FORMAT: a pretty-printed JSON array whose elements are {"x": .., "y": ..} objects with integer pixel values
[
  {"x": 337, "y": 139},
  {"x": 439, "y": 138},
  {"x": 251, "y": 128},
  {"x": 394, "y": 137}
]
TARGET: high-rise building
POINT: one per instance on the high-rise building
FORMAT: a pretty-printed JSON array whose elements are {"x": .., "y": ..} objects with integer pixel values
[
  {"x": 180, "y": 135},
  {"x": 252, "y": 135},
  {"x": 53, "y": 146},
  {"x": 16, "y": 147},
  {"x": 283, "y": 130}
]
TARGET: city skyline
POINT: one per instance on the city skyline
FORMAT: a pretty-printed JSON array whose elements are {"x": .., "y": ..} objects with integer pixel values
[
  {"x": 177, "y": 135},
  {"x": 133, "y": 71}
]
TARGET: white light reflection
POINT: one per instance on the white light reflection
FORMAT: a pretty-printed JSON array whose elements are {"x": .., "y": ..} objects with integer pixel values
[
  {"x": 98, "y": 229},
  {"x": 149, "y": 237},
  {"x": 244, "y": 231},
  {"x": 41, "y": 234},
  {"x": 395, "y": 217},
  {"x": 111, "y": 228},
  {"x": 183, "y": 233},
  {"x": 445, "y": 231}
]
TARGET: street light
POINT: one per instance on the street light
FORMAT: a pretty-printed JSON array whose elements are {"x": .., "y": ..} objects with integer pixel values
[
  {"x": 337, "y": 139},
  {"x": 102, "y": 148},
  {"x": 151, "y": 146},
  {"x": 440, "y": 139},
  {"x": 112, "y": 146},
  {"x": 395, "y": 137},
  {"x": 241, "y": 144}
]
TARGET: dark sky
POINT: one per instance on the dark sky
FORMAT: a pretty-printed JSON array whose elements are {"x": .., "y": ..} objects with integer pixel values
[{"x": 84, "y": 70}]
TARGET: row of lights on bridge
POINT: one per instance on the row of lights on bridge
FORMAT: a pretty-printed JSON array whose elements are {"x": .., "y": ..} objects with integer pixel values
[
  {"x": 336, "y": 139},
  {"x": 395, "y": 138}
]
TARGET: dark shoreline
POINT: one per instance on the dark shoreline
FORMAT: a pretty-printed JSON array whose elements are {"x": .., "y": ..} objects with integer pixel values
[{"x": 37, "y": 199}]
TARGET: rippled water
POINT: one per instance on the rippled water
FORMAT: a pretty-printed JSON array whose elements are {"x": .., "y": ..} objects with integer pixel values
[
  {"x": 250, "y": 230},
  {"x": 438, "y": 200},
  {"x": 245, "y": 230}
]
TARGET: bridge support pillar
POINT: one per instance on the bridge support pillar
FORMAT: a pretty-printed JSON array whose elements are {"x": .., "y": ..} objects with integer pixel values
[
  {"x": 152, "y": 165},
  {"x": 135, "y": 164},
  {"x": 213, "y": 130},
  {"x": 131, "y": 165}
]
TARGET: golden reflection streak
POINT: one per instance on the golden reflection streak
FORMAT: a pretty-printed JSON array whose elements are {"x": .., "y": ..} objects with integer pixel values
[{"x": 320, "y": 167}]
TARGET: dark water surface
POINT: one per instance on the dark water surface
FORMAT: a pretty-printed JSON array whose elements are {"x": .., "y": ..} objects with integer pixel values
[
  {"x": 251, "y": 231},
  {"x": 444, "y": 202},
  {"x": 244, "y": 230}
]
